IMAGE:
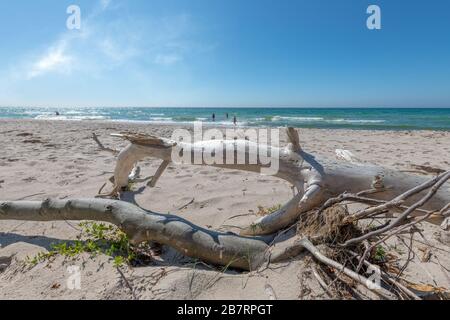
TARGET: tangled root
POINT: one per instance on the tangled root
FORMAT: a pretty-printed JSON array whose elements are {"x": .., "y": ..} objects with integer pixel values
[{"x": 328, "y": 226}]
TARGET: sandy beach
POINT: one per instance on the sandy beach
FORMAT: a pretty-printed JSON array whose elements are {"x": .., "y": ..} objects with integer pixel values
[{"x": 58, "y": 159}]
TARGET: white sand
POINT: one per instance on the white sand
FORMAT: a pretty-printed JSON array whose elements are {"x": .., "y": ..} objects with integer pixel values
[{"x": 59, "y": 159}]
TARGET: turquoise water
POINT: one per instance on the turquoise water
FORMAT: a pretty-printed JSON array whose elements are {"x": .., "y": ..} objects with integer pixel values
[{"x": 350, "y": 118}]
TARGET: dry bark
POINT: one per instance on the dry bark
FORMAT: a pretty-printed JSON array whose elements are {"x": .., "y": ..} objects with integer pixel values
[{"x": 315, "y": 179}]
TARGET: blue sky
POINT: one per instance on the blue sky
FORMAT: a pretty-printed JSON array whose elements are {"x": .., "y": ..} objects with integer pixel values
[{"x": 214, "y": 53}]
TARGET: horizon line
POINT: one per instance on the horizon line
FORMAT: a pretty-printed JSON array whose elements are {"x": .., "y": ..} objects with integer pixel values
[{"x": 228, "y": 107}]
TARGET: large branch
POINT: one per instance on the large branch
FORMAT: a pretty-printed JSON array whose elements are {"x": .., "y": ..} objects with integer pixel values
[
  {"x": 435, "y": 183},
  {"x": 318, "y": 178},
  {"x": 141, "y": 225},
  {"x": 293, "y": 167},
  {"x": 191, "y": 240},
  {"x": 295, "y": 245}
]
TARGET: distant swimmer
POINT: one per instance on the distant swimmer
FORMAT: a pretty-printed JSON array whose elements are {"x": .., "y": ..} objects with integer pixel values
[
  {"x": 227, "y": 115},
  {"x": 214, "y": 117},
  {"x": 57, "y": 113},
  {"x": 234, "y": 120}
]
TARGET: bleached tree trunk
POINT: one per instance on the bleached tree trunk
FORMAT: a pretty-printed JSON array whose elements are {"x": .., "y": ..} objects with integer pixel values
[
  {"x": 316, "y": 179},
  {"x": 140, "y": 225},
  {"x": 193, "y": 241}
]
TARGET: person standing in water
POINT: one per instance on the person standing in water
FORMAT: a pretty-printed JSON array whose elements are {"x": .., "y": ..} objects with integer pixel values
[
  {"x": 214, "y": 117},
  {"x": 227, "y": 115},
  {"x": 234, "y": 120}
]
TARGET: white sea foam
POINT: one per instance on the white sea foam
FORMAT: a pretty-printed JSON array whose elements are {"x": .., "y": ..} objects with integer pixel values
[
  {"x": 278, "y": 118},
  {"x": 161, "y": 119},
  {"x": 320, "y": 119},
  {"x": 68, "y": 118},
  {"x": 354, "y": 121}
]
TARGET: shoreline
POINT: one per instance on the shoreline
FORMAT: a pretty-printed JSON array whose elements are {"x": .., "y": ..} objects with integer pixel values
[{"x": 211, "y": 125}]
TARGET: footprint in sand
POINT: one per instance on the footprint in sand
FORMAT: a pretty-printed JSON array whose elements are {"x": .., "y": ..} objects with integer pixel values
[
  {"x": 32, "y": 163},
  {"x": 183, "y": 176},
  {"x": 24, "y": 134},
  {"x": 33, "y": 141},
  {"x": 63, "y": 183},
  {"x": 234, "y": 172},
  {"x": 68, "y": 173}
]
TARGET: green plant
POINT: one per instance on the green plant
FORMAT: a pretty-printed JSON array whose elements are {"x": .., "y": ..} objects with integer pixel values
[
  {"x": 380, "y": 254},
  {"x": 131, "y": 186},
  {"x": 99, "y": 238},
  {"x": 41, "y": 256},
  {"x": 118, "y": 261},
  {"x": 255, "y": 226},
  {"x": 262, "y": 211}
]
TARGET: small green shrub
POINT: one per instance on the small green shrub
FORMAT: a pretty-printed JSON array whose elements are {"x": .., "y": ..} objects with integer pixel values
[
  {"x": 100, "y": 239},
  {"x": 380, "y": 254},
  {"x": 262, "y": 211}
]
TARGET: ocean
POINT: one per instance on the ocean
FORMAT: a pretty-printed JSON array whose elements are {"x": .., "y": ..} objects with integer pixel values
[{"x": 346, "y": 118}]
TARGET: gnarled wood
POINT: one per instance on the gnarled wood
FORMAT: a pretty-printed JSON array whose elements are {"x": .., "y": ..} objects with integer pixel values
[
  {"x": 191, "y": 240},
  {"x": 141, "y": 225},
  {"x": 317, "y": 179}
]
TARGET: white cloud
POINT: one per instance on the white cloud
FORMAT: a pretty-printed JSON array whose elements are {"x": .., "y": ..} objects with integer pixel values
[
  {"x": 105, "y": 4},
  {"x": 103, "y": 45},
  {"x": 167, "y": 59},
  {"x": 55, "y": 60}
]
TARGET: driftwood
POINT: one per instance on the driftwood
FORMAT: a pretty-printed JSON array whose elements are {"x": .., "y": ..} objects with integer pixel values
[
  {"x": 141, "y": 225},
  {"x": 193, "y": 241},
  {"x": 321, "y": 184},
  {"x": 316, "y": 179}
]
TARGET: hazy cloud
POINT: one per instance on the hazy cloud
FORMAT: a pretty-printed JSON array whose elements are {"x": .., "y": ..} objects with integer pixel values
[
  {"x": 105, "y": 44},
  {"x": 167, "y": 59},
  {"x": 55, "y": 60},
  {"x": 105, "y": 4}
]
